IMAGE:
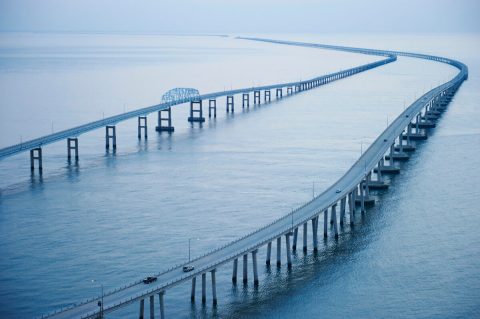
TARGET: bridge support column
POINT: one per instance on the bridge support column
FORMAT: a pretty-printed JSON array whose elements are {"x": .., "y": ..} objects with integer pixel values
[
  {"x": 245, "y": 269},
  {"x": 204, "y": 288},
  {"x": 351, "y": 207},
  {"x": 162, "y": 304},
  {"x": 142, "y": 309},
  {"x": 305, "y": 226},
  {"x": 269, "y": 253},
  {"x": 267, "y": 95},
  {"x": 279, "y": 93},
  {"x": 325, "y": 223},
  {"x": 152, "y": 307},
  {"x": 142, "y": 124},
  {"x": 112, "y": 135},
  {"x": 36, "y": 154},
  {"x": 279, "y": 251},
  {"x": 230, "y": 104},
  {"x": 164, "y": 123},
  {"x": 212, "y": 105},
  {"x": 315, "y": 233},
  {"x": 72, "y": 144},
  {"x": 362, "y": 196},
  {"x": 196, "y": 114},
  {"x": 192, "y": 294},
  {"x": 289, "y": 90},
  {"x": 255, "y": 270},
  {"x": 295, "y": 237},
  {"x": 343, "y": 203},
  {"x": 245, "y": 100},
  {"x": 234, "y": 274},
  {"x": 256, "y": 97},
  {"x": 334, "y": 213},
  {"x": 214, "y": 287},
  {"x": 289, "y": 253}
]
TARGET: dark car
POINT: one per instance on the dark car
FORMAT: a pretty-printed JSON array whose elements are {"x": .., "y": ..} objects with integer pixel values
[{"x": 149, "y": 280}]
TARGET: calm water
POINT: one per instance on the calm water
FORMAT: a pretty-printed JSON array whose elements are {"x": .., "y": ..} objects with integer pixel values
[{"x": 118, "y": 217}]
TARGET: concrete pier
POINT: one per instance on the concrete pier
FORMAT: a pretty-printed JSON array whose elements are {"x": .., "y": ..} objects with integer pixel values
[
  {"x": 152, "y": 307},
  {"x": 196, "y": 112},
  {"x": 269, "y": 253},
  {"x": 72, "y": 144},
  {"x": 162, "y": 304},
  {"x": 295, "y": 237},
  {"x": 110, "y": 133},
  {"x": 305, "y": 226},
  {"x": 343, "y": 204},
  {"x": 36, "y": 154},
  {"x": 351, "y": 207},
  {"x": 245, "y": 100},
  {"x": 279, "y": 93},
  {"x": 315, "y": 233},
  {"x": 279, "y": 251},
  {"x": 245, "y": 269},
  {"x": 288, "y": 251},
  {"x": 379, "y": 183},
  {"x": 230, "y": 104},
  {"x": 255, "y": 270},
  {"x": 289, "y": 90},
  {"x": 267, "y": 96},
  {"x": 256, "y": 97},
  {"x": 234, "y": 274},
  {"x": 204, "y": 288},
  {"x": 212, "y": 105},
  {"x": 325, "y": 223},
  {"x": 214, "y": 287},
  {"x": 142, "y": 124},
  {"x": 334, "y": 213},
  {"x": 164, "y": 123},
  {"x": 192, "y": 294},
  {"x": 142, "y": 309},
  {"x": 384, "y": 169}
]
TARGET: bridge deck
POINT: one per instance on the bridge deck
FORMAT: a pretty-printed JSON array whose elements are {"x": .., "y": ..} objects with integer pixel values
[{"x": 248, "y": 243}]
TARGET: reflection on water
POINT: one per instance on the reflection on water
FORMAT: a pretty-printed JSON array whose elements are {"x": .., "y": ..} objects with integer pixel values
[{"x": 119, "y": 216}]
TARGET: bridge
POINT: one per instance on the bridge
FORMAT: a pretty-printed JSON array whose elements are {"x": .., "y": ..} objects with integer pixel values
[{"x": 348, "y": 196}]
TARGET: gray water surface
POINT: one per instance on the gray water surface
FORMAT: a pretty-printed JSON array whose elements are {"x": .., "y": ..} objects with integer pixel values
[{"x": 118, "y": 217}]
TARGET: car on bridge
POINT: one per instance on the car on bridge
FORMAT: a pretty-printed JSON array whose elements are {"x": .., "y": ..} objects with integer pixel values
[
  {"x": 188, "y": 268},
  {"x": 149, "y": 280}
]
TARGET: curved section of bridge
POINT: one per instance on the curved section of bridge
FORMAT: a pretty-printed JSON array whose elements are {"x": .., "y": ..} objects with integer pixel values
[{"x": 351, "y": 191}]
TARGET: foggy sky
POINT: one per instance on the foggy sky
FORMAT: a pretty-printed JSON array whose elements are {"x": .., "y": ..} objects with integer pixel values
[{"x": 234, "y": 16}]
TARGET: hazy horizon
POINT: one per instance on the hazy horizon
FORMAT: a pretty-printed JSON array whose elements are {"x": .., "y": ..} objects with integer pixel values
[{"x": 217, "y": 17}]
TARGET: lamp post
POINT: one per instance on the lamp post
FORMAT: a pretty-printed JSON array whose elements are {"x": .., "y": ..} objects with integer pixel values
[{"x": 189, "y": 240}]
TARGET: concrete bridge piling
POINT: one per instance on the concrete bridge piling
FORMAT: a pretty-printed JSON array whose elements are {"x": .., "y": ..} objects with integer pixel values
[
  {"x": 72, "y": 144},
  {"x": 230, "y": 104},
  {"x": 165, "y": 120},
  {"x": 212, "y": 105},
  {"x": 142, "y": 124},
  {"x": 256, "y": 97},
  {"x": 196, "y": 112},
  {"x": 245, "y": 100},
  {"x": 36, "y": 154},
  {"x": 110, "y": 133}
]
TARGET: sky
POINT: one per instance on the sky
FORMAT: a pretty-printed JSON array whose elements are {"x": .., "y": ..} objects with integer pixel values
[{"x": 247, "y": 16}]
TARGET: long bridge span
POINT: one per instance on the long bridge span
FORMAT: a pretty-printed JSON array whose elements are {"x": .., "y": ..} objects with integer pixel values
[{"x": 346, "y": 197}]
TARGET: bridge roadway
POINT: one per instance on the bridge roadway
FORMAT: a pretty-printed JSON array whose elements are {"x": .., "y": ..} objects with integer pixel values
[
  {"x": 344, "y": 187},
  {"x": 76, "y": 131}
]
